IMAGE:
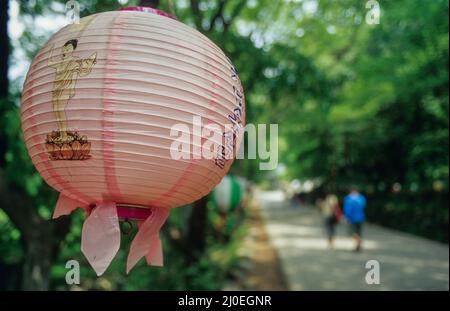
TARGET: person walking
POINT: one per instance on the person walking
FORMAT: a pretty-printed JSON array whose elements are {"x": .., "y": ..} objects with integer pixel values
[
  {"x": 354, "y": 211},
  {"x": 331, "y": 213}
]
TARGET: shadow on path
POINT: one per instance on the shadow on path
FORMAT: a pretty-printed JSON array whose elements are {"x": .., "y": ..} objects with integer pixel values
[{"x": 406, "y": 262}]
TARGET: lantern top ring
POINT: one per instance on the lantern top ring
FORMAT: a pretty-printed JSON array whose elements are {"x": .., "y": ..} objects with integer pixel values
[{"x": 147, "y": 10}]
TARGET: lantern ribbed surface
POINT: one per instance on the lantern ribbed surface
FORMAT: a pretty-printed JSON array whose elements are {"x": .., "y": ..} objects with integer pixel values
[{"x": 100, "y": 100}]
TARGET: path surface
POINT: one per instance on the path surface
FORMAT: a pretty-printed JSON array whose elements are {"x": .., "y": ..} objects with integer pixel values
[
  {"x": 259, "y": 266},
  {"x": 406, "y": 262}
]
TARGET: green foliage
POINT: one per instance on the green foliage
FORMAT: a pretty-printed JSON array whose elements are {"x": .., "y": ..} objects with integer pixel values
[
  {"x": 418, "y": 214},
  {"x": 10, "y": 247}
]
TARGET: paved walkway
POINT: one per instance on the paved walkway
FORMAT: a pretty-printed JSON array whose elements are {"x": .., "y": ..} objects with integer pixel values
[{"x": 406, "y": 262}]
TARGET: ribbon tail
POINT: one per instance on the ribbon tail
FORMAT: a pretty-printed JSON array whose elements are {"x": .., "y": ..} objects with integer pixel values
[
  {"x": 65, "y": 206},
  {"x": 100, "y": 239},
  {"x": 147, "y": 242},
  {"x": 155, "y": 256}
]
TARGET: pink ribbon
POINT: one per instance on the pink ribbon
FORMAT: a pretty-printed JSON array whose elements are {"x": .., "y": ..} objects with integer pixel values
[
  {"x": 65, "y": 206},
  {"x": 147, "y": 242},
  {"x": 155, "y": 255},
  {"x": 100, "y": 236}
]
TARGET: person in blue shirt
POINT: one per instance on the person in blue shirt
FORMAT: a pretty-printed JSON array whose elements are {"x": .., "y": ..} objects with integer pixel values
[{"x": 354, "y": 211}]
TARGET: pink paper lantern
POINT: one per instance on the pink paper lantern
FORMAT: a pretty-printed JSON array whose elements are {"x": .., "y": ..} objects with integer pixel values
[{"x": 99, "y": 103}]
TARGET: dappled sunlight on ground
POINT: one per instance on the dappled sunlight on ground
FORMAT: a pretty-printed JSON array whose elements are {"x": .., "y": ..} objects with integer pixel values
[
  {"x": 306, "y": 237},
  {"x": 406, "y": 262}
]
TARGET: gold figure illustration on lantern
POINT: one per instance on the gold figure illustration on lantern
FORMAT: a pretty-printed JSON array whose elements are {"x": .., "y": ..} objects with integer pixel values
[{"x": 65, "y": 144}]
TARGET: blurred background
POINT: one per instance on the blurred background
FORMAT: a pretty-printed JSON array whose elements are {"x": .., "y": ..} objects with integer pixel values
[{"x": 359, "y": 101}]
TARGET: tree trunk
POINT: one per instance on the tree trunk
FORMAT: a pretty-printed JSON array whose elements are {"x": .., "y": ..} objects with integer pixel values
[
  {"x": 4, "y": 48},
  {"x": 39, "y": 255},
  {"x": 4, "y": 84},
  {"x": 195, "y": 233},
  {"x": 40, "y": 238}
]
